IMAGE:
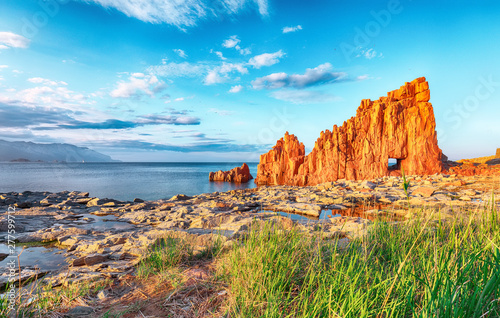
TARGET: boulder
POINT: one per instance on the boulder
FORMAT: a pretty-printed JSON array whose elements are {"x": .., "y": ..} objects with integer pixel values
[
  {"x": 399, "y": 126},
  {"x": 238, "y": 175}
]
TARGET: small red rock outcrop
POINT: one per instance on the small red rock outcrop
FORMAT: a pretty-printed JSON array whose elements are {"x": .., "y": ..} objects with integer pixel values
[
  {"x": 399, "y": 126},
  {"x": 492, "y": 168},
  {"x": 238, "y": 174},
  {"x": 498, "y": 153}
]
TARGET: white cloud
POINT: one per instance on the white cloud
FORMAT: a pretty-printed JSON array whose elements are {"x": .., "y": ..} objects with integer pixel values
[
  {"x": 368, "y": 53},
  {"x": 48, "y": 95},
  {"x": 213, "y": 77},
  {"x": 236, "y": 89},
  {"x": 362, "y": 77},
  {"x": 187, "y": 120},
  {"x": 181, "y": 53},
  {"x": 184, "y": 69},
  {"x": 180, "y": 13},
  {"x": 219, "y": 54},
  {"x": 138, "y": 85},
  {"x": 292, "y": 29},
  {"x": 245, "y": 51},
  {"x": 266, "y": 59},
  {"x": 303, "y": 97},
  {"x": 221, "y": 73},
  {"x": 180, "y": 99},
  {"x": 44, "y": 81},
  {"x": 263, "y": 7},
  {"x": 3, "y": 66},
  {"x": 319, "y": 75},
  {"x": 12, "y": 40},
  {"x": 230, "y": 67},
  {"x": 231, "y": 42}
]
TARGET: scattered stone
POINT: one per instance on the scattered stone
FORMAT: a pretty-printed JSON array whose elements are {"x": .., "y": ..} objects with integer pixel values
[
  {"x": 424, "y": 191},
  {"x": 101, "y": 241},
  {"x": 180, "y": 197}
]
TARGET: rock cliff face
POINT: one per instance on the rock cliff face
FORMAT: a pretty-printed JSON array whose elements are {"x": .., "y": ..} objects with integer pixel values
[
  {"x": 238, "y": 174},
  {"x": 399, "y": 126},
  {"x": 498, "y": 153}
]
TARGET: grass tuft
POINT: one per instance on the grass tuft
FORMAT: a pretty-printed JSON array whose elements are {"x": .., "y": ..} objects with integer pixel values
[{"x": 417, "y": 269}]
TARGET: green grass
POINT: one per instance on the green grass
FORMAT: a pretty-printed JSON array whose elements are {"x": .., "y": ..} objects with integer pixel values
[
  {"x": 166, "y": 253},
  {"x": 425, "y": 268}
]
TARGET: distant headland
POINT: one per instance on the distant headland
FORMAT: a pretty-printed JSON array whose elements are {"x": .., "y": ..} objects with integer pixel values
[{"x": 22, "y": 151}]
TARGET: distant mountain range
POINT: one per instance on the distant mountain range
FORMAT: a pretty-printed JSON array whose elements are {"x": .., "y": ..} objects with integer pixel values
[{"x": 22, "y": 151}]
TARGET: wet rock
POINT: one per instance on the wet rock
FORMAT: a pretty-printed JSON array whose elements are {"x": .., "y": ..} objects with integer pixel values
[
  {"x": 90, "y": 260},
  {"x": 180, "y": 197},
  {"x": 105, "y": 202}
]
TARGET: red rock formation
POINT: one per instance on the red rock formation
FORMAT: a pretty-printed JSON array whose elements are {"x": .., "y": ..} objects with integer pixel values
[
  {"x": 473, "y": 169},
  {"x": 399, "y": 126},
  {"x": 498, "y": 153},
  {"x": 238, "y": 174}
]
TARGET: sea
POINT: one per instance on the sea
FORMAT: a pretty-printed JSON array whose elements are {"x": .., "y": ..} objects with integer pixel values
[{"x": 122, "y": 181}]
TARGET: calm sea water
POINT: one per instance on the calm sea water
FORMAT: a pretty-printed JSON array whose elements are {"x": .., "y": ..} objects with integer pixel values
[{"x": 122, "y": 181}]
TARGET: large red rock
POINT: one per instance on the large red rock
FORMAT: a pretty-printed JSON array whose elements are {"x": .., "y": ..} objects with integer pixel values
[
  {"x": 238, "y": 174},
  {"x": 498, "y": 153},
  {"x": 399, "y": 126}
]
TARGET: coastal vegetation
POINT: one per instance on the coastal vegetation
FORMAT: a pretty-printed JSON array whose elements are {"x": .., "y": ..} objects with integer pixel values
[{"x": 428, "y": 266}]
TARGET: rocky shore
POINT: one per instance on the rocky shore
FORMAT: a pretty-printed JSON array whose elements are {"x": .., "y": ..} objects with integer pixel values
[{"x": 105, "y": 238}]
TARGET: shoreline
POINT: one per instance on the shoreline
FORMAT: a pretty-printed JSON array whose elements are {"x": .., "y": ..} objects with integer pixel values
[{"x": 106, "y": 238}]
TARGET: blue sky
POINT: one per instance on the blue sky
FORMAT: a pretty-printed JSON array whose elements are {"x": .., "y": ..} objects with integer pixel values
[{"x": 222, "y": 80}]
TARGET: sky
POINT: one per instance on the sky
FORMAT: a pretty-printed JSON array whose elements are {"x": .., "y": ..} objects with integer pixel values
[{"x": 222, "y": 80}]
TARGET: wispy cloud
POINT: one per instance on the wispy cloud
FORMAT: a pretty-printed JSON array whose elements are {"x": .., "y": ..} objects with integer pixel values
[
  {"x": 303, "y": 97},
  {"x": 44, "y": 81},
  {"x": 181, "y": 53},
  {"x": 220, "y": 55},
  {"x": 221, "y": 73},
  {"x": 50, "y": 93},
  {"x": 184, "y": 69},
  {"x": 368, "y": 53},
  {"x": 292, "y": 29},
  {"x": 221, "y": 112},
  {"x": 181, "y": 13},
  {"x": 138, "y": 85},
  {"x": 202, "y": 145},
  {"x": 312, "y": 77},
  {"x": 266, "y": 59},
  {"x": 12, "y": 40},
  {"x": 43, "y": 118},
  {"x": 233, "y": 42}
]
